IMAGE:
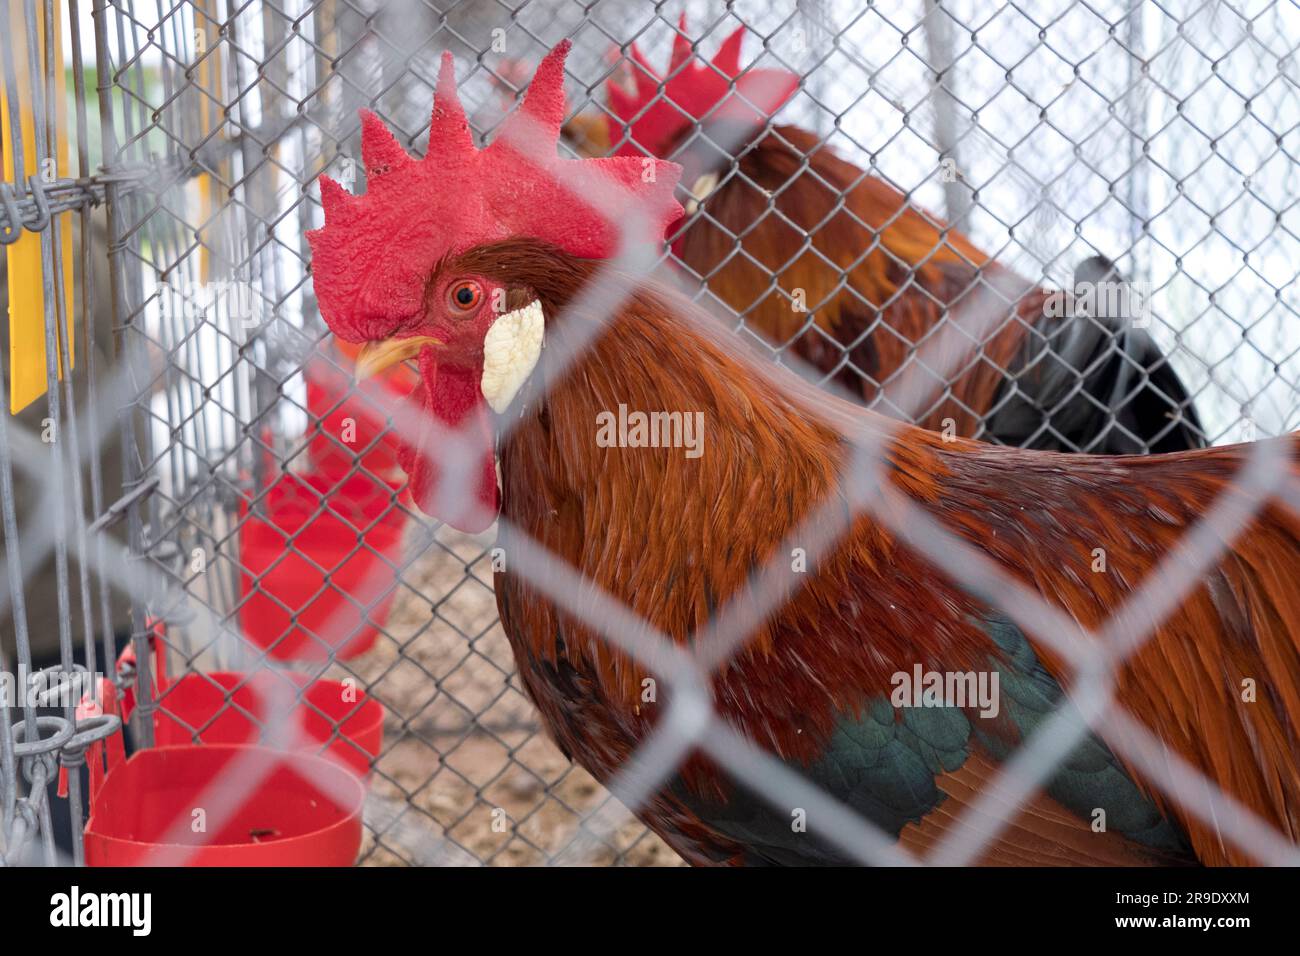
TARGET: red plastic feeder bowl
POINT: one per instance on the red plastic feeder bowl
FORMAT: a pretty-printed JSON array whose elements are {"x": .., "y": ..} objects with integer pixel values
[
  {"x": 313, "y": 578},
  {"x": 349, "y": 421},
  {"x": 230, "y": 708},
  {"x": 258, "y": 808}
]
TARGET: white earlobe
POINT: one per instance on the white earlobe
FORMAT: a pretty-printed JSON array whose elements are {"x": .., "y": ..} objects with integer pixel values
[
  {"x": 511, "y": 349},
  {"x": 700, "y": 191}
]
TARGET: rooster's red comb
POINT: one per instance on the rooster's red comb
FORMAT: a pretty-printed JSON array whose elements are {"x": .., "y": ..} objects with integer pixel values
[
  {"x": 371, "y": 261},
  {"x": 651, "y": 119}
]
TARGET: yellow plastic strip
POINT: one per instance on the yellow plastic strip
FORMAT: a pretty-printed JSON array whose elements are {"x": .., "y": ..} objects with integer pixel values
[
  {"x": 27, "y": 380},
  {"x": 207, "y": 37}
]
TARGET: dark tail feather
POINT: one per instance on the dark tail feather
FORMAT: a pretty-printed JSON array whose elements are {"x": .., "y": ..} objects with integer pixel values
[{"x": 1089, "y": 381}]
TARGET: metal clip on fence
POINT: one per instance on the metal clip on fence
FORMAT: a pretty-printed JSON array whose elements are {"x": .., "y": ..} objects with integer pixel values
[
  {"x": 41, "y": 201},
  {"x": 97, "y": 741},
  {"x": 12, "y": 227}
]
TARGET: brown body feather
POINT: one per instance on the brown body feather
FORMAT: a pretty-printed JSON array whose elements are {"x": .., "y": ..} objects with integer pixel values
[
  {"x": 839, "y": 268},
  {"x": 878, "y": 275},
  {"x": 675, "y": 538}
]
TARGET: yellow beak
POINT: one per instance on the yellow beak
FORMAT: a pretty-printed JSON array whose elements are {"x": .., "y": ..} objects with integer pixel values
[{"x": 374, "y": 357}]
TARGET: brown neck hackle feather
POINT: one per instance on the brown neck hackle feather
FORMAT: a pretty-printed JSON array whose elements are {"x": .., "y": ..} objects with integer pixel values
[
  {"x": 878, "y": 274},
  {"x": 674, "y": 539}
]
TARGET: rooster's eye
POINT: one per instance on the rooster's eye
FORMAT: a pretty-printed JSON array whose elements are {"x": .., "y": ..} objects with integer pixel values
[{"x": 465, "y": 296}]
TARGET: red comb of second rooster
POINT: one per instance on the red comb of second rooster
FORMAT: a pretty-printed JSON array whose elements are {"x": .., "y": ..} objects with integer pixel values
[
  {"x": 657, "y": 112},
  {"x": 372, "y": 259}
]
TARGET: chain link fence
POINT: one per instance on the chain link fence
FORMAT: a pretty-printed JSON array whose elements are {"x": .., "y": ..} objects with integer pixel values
[{"x": 197, "y": 494}]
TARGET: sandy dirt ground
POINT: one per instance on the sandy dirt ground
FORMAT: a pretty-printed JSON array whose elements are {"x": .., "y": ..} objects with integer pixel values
[{"x": 467, "y": 775}]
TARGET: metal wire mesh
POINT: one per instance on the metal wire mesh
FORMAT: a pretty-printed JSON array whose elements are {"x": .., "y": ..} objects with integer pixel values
[{"x": 1159, "y": 135}]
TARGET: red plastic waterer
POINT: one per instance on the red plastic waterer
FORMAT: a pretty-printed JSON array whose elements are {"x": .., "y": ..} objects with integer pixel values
[
  {"x": 349, "y": 421},
  {"x": 231, "y": 708},
  {"x": 317, "y": 560},
  {"x": 328, "y": 717},
  {"x": 225, "y": 805}
]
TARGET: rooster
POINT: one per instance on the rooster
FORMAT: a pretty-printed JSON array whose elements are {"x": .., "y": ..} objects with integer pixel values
[
  {"x": 877, "y": 274},
  {"x": 470, "y": 260}
]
